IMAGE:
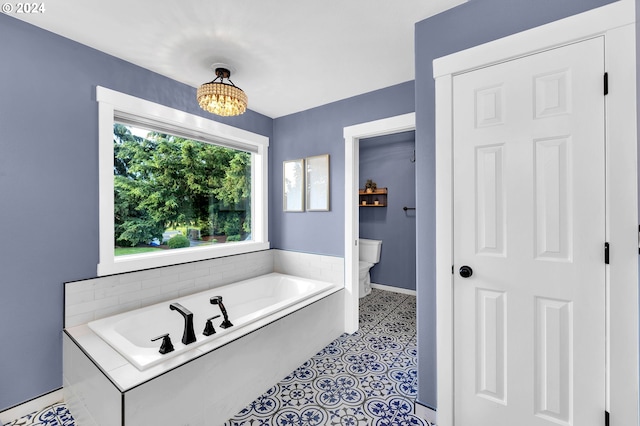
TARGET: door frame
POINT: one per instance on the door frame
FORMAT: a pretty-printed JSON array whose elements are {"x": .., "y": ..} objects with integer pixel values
[
  {"x": 352, "y": 136},
  {"x": 616, "y": 23}
]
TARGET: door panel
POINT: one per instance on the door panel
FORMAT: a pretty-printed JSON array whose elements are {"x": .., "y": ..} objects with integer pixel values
[{"x": 529, "y": 219}]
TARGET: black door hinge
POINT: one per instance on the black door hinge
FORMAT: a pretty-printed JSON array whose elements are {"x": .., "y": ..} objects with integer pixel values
[
  {"x": 606, "y": 253},
  {"x": 606, "y": 418},
  {"x": 606, "y": 83}
]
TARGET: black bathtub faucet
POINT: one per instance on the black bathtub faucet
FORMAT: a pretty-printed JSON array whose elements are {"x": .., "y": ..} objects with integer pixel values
[
  {"x": 217, "y": 300},
  {"x": 188, "y": 336}
]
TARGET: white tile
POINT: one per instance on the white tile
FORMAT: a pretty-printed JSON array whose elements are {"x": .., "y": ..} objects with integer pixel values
[
  {"x": 140, "y": 294},
  {"x": 177, "y": 286},
  {"x": 207, "y": 263},
  {"x": 160, "y": 281},
  {"x": 195, "y": 273},
  {"x": 192, "y": 290},
  {"x": 100, "y": 350},
  {"x": 73, "y": 320},
  {"x": 140, "y": 275},
  {"x": 117, "y": 308},
  {"x": 92, "y": 388},
  {"x": 208, "y": 280},
  {"x": 162, "y": 297},
  {"x": 85, "y": 307},
  {"x": 79, "y": 297},
  {"x": 78, "y": 286},
  {"x": 106, "y": 291}
]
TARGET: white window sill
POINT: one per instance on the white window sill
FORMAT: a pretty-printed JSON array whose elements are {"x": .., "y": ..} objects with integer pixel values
[{"x": 142, "y": 261}]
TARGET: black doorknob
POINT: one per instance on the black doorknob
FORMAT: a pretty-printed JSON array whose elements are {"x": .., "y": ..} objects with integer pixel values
[{"x": 465, "y": 271}]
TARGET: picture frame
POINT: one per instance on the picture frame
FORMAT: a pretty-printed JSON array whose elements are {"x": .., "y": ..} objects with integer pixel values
[
  {"x": 318, "y": 183},
  {"x": 293, "y": 185}
]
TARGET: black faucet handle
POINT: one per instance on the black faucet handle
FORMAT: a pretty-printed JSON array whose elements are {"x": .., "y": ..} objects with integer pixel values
[
  {"x": 217, "y": 300},
  {"x": 208, "y": 328},
  {"x": 166, "y": 345}
]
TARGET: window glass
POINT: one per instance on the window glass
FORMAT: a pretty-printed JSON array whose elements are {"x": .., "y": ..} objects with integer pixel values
[{"x": 172, "y": 192}]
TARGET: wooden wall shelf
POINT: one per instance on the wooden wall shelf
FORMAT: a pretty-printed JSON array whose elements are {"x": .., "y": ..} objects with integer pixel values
[{"x": 368, "y": 199}]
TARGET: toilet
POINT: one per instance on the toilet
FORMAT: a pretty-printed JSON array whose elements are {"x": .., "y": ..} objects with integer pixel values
[{"x": 369, "y": 256}]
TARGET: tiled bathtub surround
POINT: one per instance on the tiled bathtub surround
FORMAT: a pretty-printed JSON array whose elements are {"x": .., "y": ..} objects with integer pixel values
[
  {"x": 314, "y": 266},
  {"x": 96, "y": 298},
  {"x": 101, "y": 387},
  {"x": 368, "y": 378}
]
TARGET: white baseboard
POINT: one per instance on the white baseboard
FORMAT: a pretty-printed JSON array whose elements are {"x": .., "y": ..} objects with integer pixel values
[
  {"x": 394, "y": 289},
  {"x": 28, "y": 407},
  {"x": 426, "y": 413}
]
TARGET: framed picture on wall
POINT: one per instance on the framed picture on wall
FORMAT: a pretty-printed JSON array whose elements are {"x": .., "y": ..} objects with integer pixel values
[
  {"x": 293, "y": 185},
  {"x": 317, "y": 183}
]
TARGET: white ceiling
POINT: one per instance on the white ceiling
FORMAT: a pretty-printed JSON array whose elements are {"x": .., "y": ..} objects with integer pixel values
[{"x": 288, "y": 55}]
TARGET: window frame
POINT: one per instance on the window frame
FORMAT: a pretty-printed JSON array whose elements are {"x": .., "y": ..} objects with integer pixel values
[{"x": 112, "y": 104}]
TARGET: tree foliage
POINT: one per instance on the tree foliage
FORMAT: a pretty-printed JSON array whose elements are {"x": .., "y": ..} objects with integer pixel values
[{"x": 164, "y": 181}]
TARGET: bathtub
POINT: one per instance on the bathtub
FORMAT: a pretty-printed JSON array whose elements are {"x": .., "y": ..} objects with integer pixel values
[{"x": 247, "y": 302}]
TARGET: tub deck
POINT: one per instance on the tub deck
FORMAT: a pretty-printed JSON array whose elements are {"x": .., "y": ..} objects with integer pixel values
[
  {"x": 247, "y": 302},
  {"x": 125, "y": 375}
]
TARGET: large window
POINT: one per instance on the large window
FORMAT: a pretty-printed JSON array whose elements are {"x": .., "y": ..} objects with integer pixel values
[{"x": 176, "y": 187}]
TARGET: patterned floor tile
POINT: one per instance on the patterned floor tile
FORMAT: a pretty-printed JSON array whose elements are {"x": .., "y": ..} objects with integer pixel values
[
  {"x": 383, "y": 342},
  {"x": 307, "y": 416},
  {"x": 348, "y": 341},
  {"x": 296, "y": 394},
  {"x": 349, "y": 416},
  {"x": 265, "y": 405},
  {"x": 405, "y": 381},
  {"x": 378, "y": 385},
  {"x": 330, "y": 365},
  {"x": 362, "y": 363},
  {"x": 54, "y": 415},
  {"x": 399, "y": 333},
  {"x": 342, "y": 390},
  {"x": 395, "y": 410},
  {"x": 397, "y": 359},
  {"x": 305, "y": 372}
]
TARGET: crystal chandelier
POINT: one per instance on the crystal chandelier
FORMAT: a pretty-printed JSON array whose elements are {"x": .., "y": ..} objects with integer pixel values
[{"x": 222, "y": 98}]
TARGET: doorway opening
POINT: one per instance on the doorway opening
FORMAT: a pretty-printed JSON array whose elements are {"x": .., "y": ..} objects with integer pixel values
[
  {"x": 352, "y": 136},
  {"x": 387, "y": 213}
]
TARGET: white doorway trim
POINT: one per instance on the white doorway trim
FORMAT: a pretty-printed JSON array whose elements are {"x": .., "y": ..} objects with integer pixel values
[
  {"x": 352, "y": 136},
  {"x": 616, "y": 22}
]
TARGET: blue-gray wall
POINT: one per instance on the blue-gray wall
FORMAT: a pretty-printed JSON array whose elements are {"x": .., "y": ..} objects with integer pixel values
[
  {"x": 470, "y": 24},
  {"x": 49, "y": 187},
  {"x": 387, "y": 160},
  {"x": 320, "y": 131}
]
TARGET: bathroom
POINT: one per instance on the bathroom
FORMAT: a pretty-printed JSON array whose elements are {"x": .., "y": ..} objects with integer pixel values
[
  {"x": 48, "y": 175},
  {"x": 389, "y": 161}
]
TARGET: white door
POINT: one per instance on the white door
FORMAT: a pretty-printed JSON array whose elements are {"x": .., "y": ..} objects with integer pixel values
[{"x": 529, "y": 222}]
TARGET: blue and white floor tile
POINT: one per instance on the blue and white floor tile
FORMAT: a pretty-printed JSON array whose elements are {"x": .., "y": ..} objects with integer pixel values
[
  {"x": 368, "y": 378},
  {"x": 53, "y": 415}
]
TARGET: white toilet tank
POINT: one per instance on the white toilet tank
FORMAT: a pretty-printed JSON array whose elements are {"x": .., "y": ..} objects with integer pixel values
[{"x": 369, "y": 250}]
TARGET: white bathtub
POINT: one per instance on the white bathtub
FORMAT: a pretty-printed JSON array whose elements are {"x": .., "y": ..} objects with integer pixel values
[{"x": 246, "y": 301}]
